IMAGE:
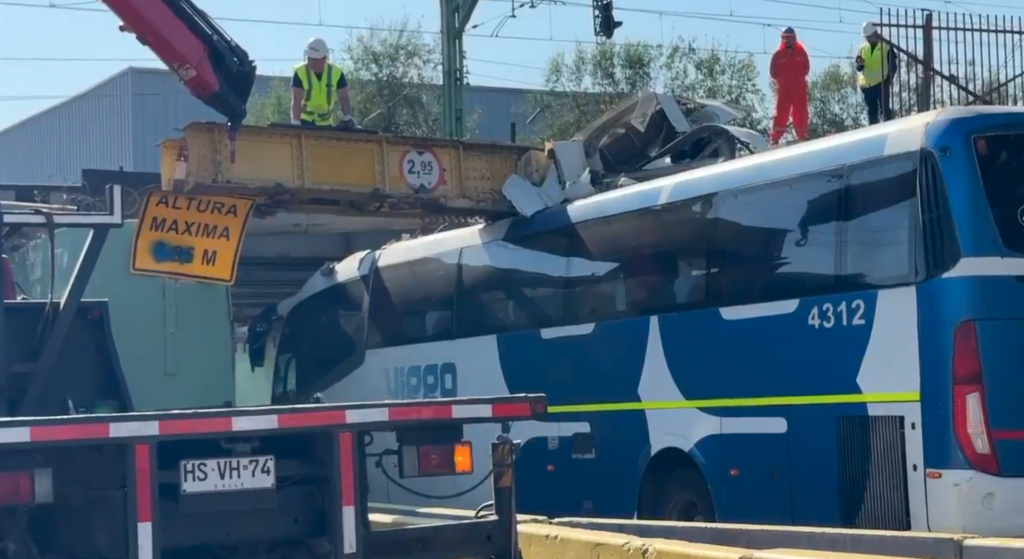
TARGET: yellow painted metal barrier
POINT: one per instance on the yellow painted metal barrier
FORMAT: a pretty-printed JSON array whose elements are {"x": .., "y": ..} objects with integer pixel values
[
  {"x": 343, "y": 173},
  {"x": 538, "y": 540},
  {"x": 994, "y": 548},
  {"x": 571, "y": 538},
  {"x": 542, "y": 539},
  {"x": 812, "y": 554},
  {"x": 923, "y": 545}
]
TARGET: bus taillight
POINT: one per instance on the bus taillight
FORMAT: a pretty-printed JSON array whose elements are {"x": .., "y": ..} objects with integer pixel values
[{"x": 970, "y": 422}]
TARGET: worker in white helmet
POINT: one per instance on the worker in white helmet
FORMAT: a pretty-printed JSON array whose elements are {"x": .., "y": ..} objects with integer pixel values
[
  {"x": 316, "y": 85},
  {"x": 877, "y": 64}
]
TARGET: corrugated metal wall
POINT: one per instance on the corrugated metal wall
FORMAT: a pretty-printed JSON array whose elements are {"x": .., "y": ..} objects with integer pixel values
[
  {"x": 490, "y": 111},
  {"x": 161, "y": 104},
  {"x": 87, "y": 131},
  {"x": 160, "y": 107}
]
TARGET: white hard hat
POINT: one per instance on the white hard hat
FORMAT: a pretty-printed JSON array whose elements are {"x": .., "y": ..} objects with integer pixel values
[
  {"x": 868, "y": 29},
  {"x": 316, "y": 48}
]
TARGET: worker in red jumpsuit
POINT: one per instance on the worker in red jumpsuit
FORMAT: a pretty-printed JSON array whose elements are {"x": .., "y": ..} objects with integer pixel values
[{"x": 789, "y": 69}]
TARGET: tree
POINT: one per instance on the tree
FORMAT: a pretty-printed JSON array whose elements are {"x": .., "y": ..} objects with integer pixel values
[
  {"x": 395, "y": 73},
  {"x": 835, "y": 101},
  {"x": 590, "y": 80},
  {"x": 719, "y": 74},
  {"x": 272, "y": 106},
  {"x": 393, "y": 77},
  {"x": 991, "y": 83}
]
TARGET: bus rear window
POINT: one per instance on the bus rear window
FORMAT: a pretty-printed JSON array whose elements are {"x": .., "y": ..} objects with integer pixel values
[{"x": 1001, "y": 164}]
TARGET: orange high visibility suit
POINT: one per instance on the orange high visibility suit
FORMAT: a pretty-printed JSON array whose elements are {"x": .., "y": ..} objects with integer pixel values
[{"x": 790, "y": 67}]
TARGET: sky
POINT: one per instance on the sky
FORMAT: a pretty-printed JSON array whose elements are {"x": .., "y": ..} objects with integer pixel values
[{"x": 53, "y": 49}]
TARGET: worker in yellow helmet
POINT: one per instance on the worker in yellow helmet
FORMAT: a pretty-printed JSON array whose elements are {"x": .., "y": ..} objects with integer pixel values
[
  {"x": 316, "y": 85},
  {"x": 877, "y": 64}
]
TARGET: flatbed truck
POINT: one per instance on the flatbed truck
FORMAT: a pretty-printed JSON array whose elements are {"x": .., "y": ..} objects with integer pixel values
[{"x": 84, "y": 476}]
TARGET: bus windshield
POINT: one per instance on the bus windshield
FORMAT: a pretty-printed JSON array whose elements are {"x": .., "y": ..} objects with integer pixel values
[
  {"x": 1001, "y": 165},
  {"x": 322, "y": 339}
]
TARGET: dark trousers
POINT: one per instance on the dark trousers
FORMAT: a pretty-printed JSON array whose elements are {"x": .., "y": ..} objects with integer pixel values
[{"x": 878, "y": 98}]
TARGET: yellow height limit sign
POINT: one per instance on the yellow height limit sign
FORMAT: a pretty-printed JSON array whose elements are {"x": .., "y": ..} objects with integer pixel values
[{"x": 191, "y": 237}]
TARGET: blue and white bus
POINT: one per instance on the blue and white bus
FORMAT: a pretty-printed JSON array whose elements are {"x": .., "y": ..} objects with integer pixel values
[{"x": 828, "y": 334}]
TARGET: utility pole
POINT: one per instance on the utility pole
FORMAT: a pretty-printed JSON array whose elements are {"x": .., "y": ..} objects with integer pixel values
[{"x": 455, "y": 15}]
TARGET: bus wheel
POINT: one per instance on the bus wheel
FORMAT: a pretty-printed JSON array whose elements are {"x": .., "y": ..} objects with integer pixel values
[{"x": 684, "y": 497}]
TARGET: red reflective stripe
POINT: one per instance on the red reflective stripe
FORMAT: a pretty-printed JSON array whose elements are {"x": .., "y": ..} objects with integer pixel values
[
  {"x": 214, "y": 425},
  {"x": 346, "y": 464},
  {"x": 143, "y": 484},
  {"x": 69, "y": 432},
  {"x": 420, "y": 412},
  {"x": 311, "y": 419},
  {"x": 1008, "y": 435},
  {"x": 195, "y": 426},
  {"x": 512, "y": 410}
]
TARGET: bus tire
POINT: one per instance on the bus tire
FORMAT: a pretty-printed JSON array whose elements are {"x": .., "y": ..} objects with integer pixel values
[{"x": 684, "y": 496}]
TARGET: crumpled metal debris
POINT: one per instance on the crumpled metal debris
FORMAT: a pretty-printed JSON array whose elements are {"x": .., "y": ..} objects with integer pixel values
[{"x": 648, "y": 136}]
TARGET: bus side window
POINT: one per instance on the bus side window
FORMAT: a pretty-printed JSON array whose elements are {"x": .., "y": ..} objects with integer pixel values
[
  {"x": 938, "y": 246},
  {"x": 1000, "y": 169},
  {"x": 630, "y": 265},
  {"x": 596, "y": 297},
  {"x": 650, "y": 281},
  {"x": 509, "y": 286},
  {"x": 879, "y": 234},
  {"x": 776, "y": 241},
  {"x": 438, "y": 323},
  {"x": 412, "y": 301}
]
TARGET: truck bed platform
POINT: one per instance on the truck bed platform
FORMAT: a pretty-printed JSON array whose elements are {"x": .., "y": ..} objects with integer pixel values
[
  {"x": 311, "y": 494},
  {"x": 141, "y": 426}
]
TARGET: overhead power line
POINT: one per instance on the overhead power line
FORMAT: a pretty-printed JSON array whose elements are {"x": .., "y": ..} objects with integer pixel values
[
  {"x": 734, "y": 19},
  {"x": 730, "y": 18},
  {"x": 750, "y": 20},
  {"x": 63, "y": 59},
  {"x": 33, "y": 59},
  {"x": 60, "y": 59},
  {"x": 251, "y": 21}
]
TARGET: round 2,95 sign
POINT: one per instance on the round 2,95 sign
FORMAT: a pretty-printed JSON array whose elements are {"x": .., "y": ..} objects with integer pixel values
[{"x": 422, "y": 170}]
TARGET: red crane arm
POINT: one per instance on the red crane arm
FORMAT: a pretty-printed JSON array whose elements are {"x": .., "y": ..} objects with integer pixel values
[{"x": 214, "y": 68}]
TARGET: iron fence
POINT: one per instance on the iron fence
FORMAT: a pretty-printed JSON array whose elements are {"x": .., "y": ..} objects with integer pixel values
[{"x": 954, "y": 59}]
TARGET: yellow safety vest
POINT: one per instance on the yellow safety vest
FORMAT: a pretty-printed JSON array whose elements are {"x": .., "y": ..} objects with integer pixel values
[
  {"x": 876, "y": 64},
  {"x": 320, "y": 93}
]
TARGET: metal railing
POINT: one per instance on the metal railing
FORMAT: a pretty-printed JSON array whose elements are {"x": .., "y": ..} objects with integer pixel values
[{"x": 949, "y": 59}]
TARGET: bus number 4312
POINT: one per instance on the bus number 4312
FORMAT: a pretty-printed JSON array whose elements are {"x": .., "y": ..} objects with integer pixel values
[{"x": 828, "y": 315}]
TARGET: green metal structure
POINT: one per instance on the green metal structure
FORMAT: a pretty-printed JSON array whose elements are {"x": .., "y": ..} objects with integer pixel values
[
  {"x": 173, "y": 337},
  {"x": 455, "y": 15}
]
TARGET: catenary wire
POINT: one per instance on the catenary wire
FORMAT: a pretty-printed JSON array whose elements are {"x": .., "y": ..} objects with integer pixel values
[
  {"x": 725, "y": 18},
  {"x": 736, "y": 19},
  {"x": 252, "y": 21}
]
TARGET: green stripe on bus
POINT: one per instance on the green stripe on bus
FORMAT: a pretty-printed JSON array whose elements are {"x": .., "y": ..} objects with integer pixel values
[{"x": 875, "y": 398}]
